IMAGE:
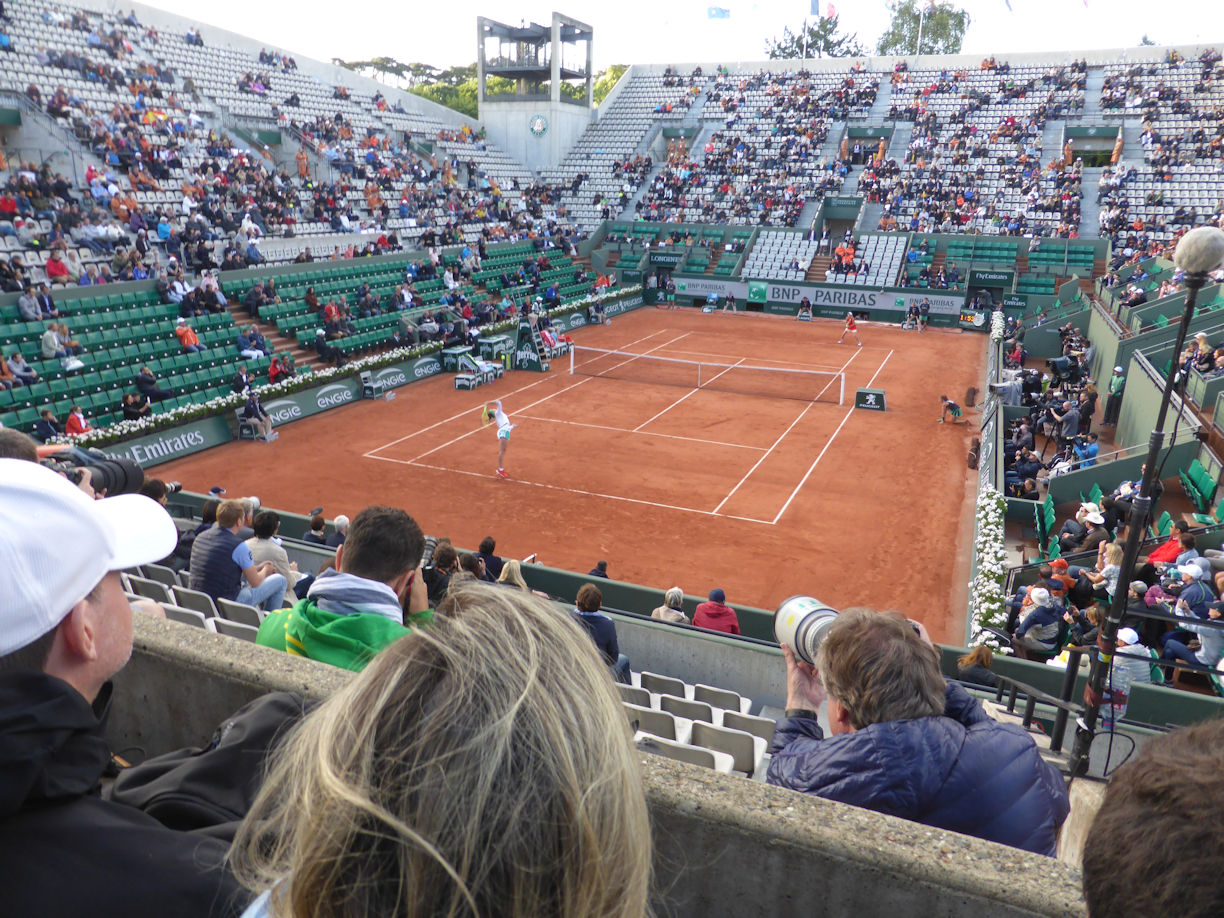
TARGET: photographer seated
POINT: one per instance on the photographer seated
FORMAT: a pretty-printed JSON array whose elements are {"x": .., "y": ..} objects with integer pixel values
[{"x": 908, "y": 744}]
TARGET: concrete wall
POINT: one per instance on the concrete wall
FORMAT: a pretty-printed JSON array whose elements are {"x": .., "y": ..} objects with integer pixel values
[
  {"x": 723, "y": 845},
  {"x": 508, "y": 126}
]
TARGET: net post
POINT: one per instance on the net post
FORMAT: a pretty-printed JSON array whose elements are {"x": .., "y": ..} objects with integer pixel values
[
  {"x": 841, "y": 389},
  {"x": 571, "y": 357}
]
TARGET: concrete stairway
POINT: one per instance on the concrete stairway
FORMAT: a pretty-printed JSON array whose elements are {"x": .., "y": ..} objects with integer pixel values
[
  {"x": 899, "y": 145},
  {"x": 1090, "y": 216},
  {"x": 281, "y": 344}
]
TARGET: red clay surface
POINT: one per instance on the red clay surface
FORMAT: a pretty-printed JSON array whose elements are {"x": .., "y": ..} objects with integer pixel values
[{"x": 763, "y": 496}]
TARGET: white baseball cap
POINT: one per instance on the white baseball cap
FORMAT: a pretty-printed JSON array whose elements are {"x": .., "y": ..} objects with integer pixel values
[{"x": 59, "y": 544}]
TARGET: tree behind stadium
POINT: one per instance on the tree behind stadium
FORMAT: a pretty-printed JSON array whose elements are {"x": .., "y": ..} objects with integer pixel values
[
  {"x": 943, "y": 28},
  {"x": 823, "y": 40}
]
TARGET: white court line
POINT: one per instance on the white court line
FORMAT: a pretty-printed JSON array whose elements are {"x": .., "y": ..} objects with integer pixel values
[
  {"x": 477, "y": 430},
  {"x": 829, "y": 443},
  {"x": 644, "y": 433},
  {"x": 766, "y": 456},
  {"x": 455, "y": 417},
  {"x": 686, "y": 395},
  {"x": 553, "y": 487}
]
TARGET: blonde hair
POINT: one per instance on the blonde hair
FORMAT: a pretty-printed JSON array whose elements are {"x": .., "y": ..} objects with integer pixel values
[
  {"x": 1113, "y": 553},
  {"x": 512, "y": 573},
  {"x": 480, "y": 767}
]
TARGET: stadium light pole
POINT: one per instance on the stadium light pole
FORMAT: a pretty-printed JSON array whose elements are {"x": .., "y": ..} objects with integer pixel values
[{"x": 1200, "y": 252}]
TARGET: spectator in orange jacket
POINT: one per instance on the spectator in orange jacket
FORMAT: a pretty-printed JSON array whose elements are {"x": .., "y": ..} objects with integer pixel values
[{"x": 187, "y": 337}]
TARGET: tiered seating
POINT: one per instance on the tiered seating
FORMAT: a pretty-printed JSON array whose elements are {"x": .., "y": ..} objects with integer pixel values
[
  {"x": 883, "y": 255},
  {"x": 700, "y": 724},
  {"x": 745, "y": 174},
  {"x": 608, "y": 146},
  {"x": 1180, "y": 182},
  {"x": 780, "y": 255},
  {"x": 975, "y": 160},
  {"x": 120, "y": 333}
]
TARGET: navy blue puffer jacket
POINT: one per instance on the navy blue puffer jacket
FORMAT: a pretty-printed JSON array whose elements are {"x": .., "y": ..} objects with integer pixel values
[{"x": 963, "y": 771}]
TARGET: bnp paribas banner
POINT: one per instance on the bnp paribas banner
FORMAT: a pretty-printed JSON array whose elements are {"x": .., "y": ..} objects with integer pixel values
[
  {"x": 837, "y": 300},
  {"x": 173, "y": 444}
]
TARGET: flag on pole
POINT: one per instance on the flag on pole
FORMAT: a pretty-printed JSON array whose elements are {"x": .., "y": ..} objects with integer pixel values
[
  {"x": 718, "y": 12},
  {"x": 816, "y": 8},
  {"x": 831, "y": 12},
  {"x": 1008, "y": 4}
]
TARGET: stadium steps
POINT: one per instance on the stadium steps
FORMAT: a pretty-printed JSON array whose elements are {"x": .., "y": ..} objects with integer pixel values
[
  {"x": 1052, "y": 139},
  {"x": 281, "y": 344},
  {"x": 869, "y": 217},
  {"x": 628, "y": 212},
  {"x": 1090, "y": 210},
  {"x": 832, "y": 144},
  {"x": 817, "y": 269},
  {"x": 1132, "y": 149},
  {"x": 1094, "y": 82},
  {"x": 878, "y": 113},
  {"x": 899, "y": 145},
  {"x": 811, "y": 207}
]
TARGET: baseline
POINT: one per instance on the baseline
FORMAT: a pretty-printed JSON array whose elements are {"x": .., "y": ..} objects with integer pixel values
[
  {"x": 829, "y": 443},
  {"x": 555, "y": 487}
]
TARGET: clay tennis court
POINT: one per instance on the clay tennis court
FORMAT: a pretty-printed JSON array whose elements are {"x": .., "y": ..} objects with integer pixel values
[{"x": 762, "y": 495}]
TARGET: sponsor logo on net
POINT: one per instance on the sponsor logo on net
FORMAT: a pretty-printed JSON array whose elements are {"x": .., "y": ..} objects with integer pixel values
[
  {"x": 392, "y": 376},
  {"x": 283, "y": 410},
  {"x": 577, "y": 319},
  {"x": 335, "y": 394},
  {"x": 426, "y": 367}
]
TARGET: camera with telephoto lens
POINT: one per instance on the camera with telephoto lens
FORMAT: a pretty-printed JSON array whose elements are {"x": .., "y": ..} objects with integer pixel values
[
  {"x": 802, "y": 622},
  {"x": 173, "y": 487},
  {"x": 106, "y": 475}
]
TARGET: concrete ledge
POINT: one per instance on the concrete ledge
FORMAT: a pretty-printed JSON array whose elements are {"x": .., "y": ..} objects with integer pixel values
[{"x": 723, "y": 845}]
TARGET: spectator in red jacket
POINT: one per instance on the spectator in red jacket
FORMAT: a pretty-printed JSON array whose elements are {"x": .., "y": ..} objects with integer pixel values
[
  {"x": 76, "y": 423},
  {"x": 57, "y": 271},
  {"x": 716, "y": 615}
]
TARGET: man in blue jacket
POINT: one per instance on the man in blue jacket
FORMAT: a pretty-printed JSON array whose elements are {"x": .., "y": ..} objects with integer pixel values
[{"x": 907, "y": 744}]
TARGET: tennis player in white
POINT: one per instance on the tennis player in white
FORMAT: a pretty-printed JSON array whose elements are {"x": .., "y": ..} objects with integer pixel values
[{"x": 493, "y": 411}]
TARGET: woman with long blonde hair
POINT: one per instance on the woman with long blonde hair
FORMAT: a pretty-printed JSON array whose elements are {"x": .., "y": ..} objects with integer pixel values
[{"x": 452, "y": 777}]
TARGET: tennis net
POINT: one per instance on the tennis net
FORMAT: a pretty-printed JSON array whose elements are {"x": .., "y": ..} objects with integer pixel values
[{"x": 740, "y": 378}]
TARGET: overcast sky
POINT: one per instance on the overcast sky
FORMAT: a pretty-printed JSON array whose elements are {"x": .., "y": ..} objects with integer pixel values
[{"x": 661, "y": 31}]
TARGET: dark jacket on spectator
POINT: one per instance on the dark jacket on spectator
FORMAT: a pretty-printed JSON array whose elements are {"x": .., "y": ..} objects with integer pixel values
[
  {"x": 963, "y": 771},
  {"x": 603, "y": 633},
  {"x": 64, "y": 850}
]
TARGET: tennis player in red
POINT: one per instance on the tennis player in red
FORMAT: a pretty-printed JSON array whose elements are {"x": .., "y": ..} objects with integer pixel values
[{"x": 852, "y": 328}]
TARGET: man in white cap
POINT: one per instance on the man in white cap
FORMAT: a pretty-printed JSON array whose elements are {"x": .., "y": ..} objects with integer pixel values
[
  {"x": 1113, "y": 404},
  {"x": 1211, "y": 639},
  {"x": 65, "y": 630},
  {"x": 1132, "y": 664},
  {"x": 1039, "y": 631}
]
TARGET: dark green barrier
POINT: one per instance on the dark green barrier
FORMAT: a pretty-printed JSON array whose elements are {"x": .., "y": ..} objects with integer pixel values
[
  {"x": 303, "y": 404},
  {"x": 638, "y": 600},
  {"x": 173, "y": 443},
  {"x": 1149, "y": 704}
]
